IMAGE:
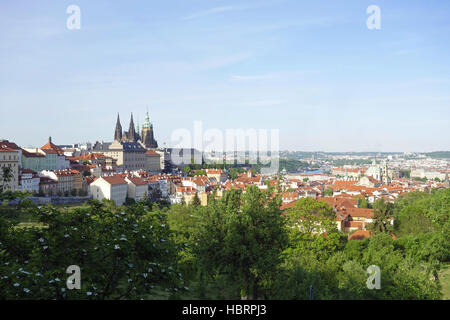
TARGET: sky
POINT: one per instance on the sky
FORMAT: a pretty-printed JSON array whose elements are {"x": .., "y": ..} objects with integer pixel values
[{"x": 311, "y": 69}]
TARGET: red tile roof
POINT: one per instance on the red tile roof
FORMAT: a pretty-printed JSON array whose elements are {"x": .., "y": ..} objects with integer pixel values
[
  {"x": 360, "y": 212},
  {"x": 46, "y": 180},
  {"x": 9, "y": 144},
  {"x": 27, "y": 154},
  {"x": 187, "y": 190},
  {"x": 28, "y": 171},
  {"x": 4, "y": 148},
  {"x": 113, "y": 180},
  {"x": 49, "y": 151},
  {"x": 288, "y": 205},
  {"x": 152, "y": 153},
  {"x": 360, "y": 235},
  {"x": 214, "y": 171},
  {"x": 89, "y": 157},
  {"x": 51, "y": 146},
  {"x": 137, "y": 181}
]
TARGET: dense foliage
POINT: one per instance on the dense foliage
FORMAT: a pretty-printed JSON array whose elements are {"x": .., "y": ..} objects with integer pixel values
[
  {"x": 122, "y": 253},
  {"x": 239, "y": 246}
]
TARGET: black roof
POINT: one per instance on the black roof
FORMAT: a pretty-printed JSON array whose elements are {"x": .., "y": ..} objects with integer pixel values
[
  {"x": 132, "y": 146},
  {"x": 101, "y": 146}
]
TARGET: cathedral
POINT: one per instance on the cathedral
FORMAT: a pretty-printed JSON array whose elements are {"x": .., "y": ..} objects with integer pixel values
[{"x": 145, "y": 138}]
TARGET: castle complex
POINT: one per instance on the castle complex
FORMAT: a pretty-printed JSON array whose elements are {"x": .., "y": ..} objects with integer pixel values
[
  {"x": 146, "y": 138},
  {"x": 133, "y": 151}
]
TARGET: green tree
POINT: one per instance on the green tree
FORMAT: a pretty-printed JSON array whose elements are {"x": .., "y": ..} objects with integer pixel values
[
  {"x": 412, "y": 220},
  {"x": 200, "y": 173},
  {"x": 382, "y": 218},
  {"x": 363, "y": 202},
  {"x": 184, "y": 221},
  {"x": 241, "y": 239},
  {"x": 196, "y": 201},
  {"x": 405, "y": 173},
  {"x": 311, "y": 216},
  {"x": 86, "y": 173},
  {"x": 234, "y": 174},
  {"x": 7, "y": 175},
  {"x": 125, "y": 253},
  {"x": 402, "y": 277}
]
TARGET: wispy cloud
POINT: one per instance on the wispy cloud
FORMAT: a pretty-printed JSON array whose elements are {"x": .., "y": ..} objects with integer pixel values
[
  {"x": 255, "y": 5},
  {"x": 213, "y": 11},
  {"x": 300, "y": 23}
]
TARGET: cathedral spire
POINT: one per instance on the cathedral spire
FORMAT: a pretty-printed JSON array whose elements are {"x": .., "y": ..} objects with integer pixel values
[
  {"x": 146, "y": 121},
  {"x": 118, "y": 131},
  {"x": 147, "y": 137},
  {"x": 132, "y": 130}
]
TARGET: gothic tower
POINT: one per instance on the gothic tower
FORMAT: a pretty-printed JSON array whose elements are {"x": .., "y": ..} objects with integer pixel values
[
  {"x": 148, "y": 140},
  {"x": 118, "y": 131},
  {"x": 131, "y": 136}
]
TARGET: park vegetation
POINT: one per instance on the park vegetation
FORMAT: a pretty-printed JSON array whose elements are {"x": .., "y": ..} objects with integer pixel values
[{"x": 241, "y": 246}]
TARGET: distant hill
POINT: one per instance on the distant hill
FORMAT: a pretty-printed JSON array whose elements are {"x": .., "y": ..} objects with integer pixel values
[
  {"x": 293, "y": 166},
  {"x": 439, "y": 154}
]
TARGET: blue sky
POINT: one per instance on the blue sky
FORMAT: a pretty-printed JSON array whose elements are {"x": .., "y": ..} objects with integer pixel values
[{"x": 311, "y": 69}]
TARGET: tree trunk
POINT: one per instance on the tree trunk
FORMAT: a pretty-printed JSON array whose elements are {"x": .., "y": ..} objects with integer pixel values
[
  {"x": 201, "y": 286},
  {"x": 255, "y": 290},
  {"x": 244, "y": 289}
]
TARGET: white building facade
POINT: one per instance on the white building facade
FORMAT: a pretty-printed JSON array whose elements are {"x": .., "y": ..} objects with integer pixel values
[{"x": 112, "y": 188}]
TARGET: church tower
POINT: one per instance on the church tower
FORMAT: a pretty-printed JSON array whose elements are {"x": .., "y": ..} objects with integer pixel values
[
  {"x": 386, "y": 178},
  {"x": 132, "y": 131},
  {"x": 118, "y": 131},
  {"x": 148, "y": 140}
]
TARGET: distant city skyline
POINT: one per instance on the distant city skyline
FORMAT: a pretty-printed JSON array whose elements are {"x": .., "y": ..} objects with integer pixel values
[{"x": 310, "y": 69}]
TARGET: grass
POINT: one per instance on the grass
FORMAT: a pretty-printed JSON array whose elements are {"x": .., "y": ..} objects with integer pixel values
[
  {"x": 444, "y": 276},
  {"x": 16, "y": 216},
  {"x": 21, "y": 219},
  {"x": 25, "y": 219},
  {"x": 31, "y": 225},
  {"x": 70, "y": 206}
]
